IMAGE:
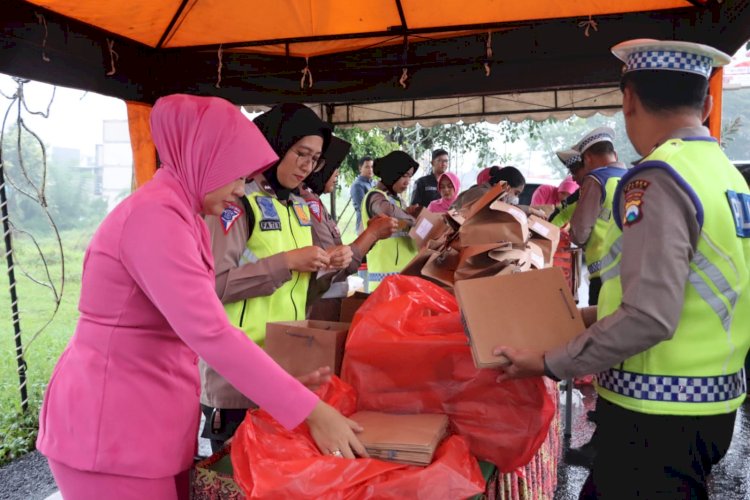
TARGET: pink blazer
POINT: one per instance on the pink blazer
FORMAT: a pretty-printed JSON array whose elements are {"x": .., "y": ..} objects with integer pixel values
[{"x": 123, "y": 398}]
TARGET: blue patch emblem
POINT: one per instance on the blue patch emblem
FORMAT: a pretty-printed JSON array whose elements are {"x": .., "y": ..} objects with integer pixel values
[
  {"x": 739, "y": 204},
  {"x": 229, "y": 216},
  {"x": 267, "y": 209},
  {"x": 269, "y": 216}
]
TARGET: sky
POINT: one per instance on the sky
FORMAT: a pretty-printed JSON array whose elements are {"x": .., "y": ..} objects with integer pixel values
[{"x": 75, "y": 119}]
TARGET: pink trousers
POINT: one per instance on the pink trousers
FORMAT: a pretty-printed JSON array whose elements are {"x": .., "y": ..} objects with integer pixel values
[{"x": 77, "y": 484}]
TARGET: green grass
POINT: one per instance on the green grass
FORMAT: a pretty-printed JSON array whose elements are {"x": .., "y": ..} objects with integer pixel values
[{"x": 36, "y": 305}]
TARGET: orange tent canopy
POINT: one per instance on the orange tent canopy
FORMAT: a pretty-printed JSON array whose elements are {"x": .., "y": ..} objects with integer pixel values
[{"x": 313, "y": 28}]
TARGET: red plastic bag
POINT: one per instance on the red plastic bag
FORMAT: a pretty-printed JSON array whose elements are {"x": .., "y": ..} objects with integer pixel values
[
  {"x": 271, "y": 462},
  {"x": 407, "y": 352}
]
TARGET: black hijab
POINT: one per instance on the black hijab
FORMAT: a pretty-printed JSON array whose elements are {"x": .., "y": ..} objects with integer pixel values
[
  {"x": 284, "y": 125},
  {"x": 333, "y": 156},
  {"x": 393, "y": 166}
]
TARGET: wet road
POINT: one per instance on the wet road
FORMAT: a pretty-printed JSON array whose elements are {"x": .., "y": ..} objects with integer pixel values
[{"x": 730, "y": 479}]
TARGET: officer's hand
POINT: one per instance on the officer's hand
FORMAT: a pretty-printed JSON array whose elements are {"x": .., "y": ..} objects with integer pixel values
[
  {"x": 315, "y": 379},
  {"x": 339, "y": 257},
  {"x": 414, "y": 210},
  {"x": 307, "y": 259},
  {"x": 521, "y": 363},
  {"x": 382, "y": 226}
]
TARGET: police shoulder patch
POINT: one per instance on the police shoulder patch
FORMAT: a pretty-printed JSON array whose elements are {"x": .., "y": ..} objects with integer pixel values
[
  {"x": 315, "y": 209},
  {"x": 739, "y": 204},
  {"x": 229, "y": 216},
  {"x": 634, "y": 191}
]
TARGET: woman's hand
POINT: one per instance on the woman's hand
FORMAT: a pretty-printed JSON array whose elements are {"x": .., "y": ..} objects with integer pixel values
[
  {"x": 307, "y": 259},
  {"x": 334, "y": 433},
  {"x": 339, "y": 257},
  {"x": 316, "y": 378},
  {"x": 382, "y": 226}
]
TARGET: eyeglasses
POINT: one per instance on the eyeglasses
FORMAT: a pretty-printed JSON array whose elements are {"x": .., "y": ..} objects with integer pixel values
[{"x": 304, "y": 158}]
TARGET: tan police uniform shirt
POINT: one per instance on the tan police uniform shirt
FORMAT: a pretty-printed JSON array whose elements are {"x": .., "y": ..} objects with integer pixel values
[
  {"x": 656, "y": 255},
  {"x": 235, "y": 282},
  {"x": 588, "y": 209},
  {"x": 326, "y": 234}
]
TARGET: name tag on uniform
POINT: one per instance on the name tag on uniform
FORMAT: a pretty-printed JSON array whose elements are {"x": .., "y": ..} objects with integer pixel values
[
  {"x": 430, "y": 188},
  {"x": 270, "y": 220},
  {"x": 302, "y": 216},
  {"x": 739, "y": 204}
]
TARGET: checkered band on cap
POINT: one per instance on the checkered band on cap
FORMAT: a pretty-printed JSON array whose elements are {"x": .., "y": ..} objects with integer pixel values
[
  {"x": 673, "y": 60},
  {"x": 584, "y": 144},
  {"x": 674, "y": 389},
  {"x": 569, "y": 162}
]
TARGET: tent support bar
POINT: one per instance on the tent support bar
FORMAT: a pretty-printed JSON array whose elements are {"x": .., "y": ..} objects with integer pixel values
[
  {"x": 349, "y": 122},
  {"x": 170, "y": 26}
]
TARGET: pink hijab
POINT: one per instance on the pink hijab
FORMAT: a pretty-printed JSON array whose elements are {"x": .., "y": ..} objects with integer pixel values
[
  {"x": 441, "y": 205},
  {"x": 206, "y": 143}
]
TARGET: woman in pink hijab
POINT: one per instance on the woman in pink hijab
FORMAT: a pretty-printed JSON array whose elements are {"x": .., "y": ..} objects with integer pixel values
[
  {"x": 551, "y": 195},
  {"x": 448, "y": 187},
  {"x": 120, "y": 415}
]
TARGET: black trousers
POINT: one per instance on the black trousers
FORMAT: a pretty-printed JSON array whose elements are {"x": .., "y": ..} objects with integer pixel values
[
  {"x": 221, "y": 424},
  {"x": 595, "y": 286},
  {"x": 654, "y": 457}
]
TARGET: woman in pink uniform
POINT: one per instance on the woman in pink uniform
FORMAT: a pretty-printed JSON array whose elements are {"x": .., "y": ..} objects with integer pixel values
[{"x": 120, "y": 415}]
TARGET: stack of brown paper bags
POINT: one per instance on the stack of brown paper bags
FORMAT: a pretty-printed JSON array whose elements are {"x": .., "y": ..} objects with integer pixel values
[{"x": 406, "y": 439}]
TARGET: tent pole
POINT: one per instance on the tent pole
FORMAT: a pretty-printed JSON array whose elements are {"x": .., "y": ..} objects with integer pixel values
[
  {"x": 13, "y": 296},
  {"x": 715, "y": 89}
]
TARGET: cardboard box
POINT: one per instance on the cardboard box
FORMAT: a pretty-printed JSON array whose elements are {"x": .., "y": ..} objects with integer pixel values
[
  {"x": 350, "y": 305},
  {"x": 530, "y": 310},
  {"x": 408, "y": 439},
  {"x": 301, "y": 347},
  {"x": 429, "y": 226},
  {"x": 546, "y": 236},
  {"x": 498, "y": 223}
]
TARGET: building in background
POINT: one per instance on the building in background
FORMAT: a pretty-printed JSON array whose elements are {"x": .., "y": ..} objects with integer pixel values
[{"x": 114, "y": 162}]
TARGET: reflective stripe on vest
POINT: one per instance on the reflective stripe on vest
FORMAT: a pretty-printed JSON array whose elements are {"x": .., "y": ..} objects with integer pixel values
[{"x": 674, "y": 389}]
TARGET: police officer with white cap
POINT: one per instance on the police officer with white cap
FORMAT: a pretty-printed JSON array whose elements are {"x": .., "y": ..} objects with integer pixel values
[
  {"x": 562, "y": 215},
  {"x": 598, "y": 174},
  {"x": 672, "y": 330}
]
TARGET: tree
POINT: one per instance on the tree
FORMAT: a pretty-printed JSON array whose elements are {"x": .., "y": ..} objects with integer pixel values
[
  {"x": 371, "y": 142},
  {"x": 64, "y": 188}
]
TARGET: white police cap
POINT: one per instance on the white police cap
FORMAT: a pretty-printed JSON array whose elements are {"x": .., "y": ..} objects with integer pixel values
[
  {"x": 568, "y": 157},
  {"x": 669, "y": 55},
  {"x": 600, "y": 134}
]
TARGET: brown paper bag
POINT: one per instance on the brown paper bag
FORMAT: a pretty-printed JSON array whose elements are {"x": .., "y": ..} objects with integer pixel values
[
  {"x": 301, "y": 347},
  {"x": 429, "y": 226},
  {"x": 546, "y": 236},
  {"x": 498, "y": 223}
]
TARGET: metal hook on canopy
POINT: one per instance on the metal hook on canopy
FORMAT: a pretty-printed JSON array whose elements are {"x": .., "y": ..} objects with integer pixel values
[
  {"x": 220, "y": 65},
  {"x": 40, "y": 18},
  {"x": 488, "y": 50},
  {"x": 588, "y": 25},
  {"x": 306, "y": 74},
  {"x": 113, "y": 56}
]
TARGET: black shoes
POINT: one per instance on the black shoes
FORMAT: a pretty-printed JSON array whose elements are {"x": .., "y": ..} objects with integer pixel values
[{"x": 582, "y": 457}]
